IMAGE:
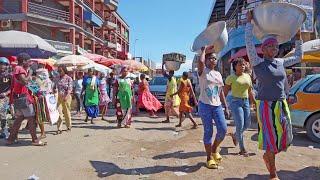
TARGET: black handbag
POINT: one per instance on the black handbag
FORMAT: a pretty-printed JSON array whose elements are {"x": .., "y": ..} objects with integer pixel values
[{"x": 21, "y": 101}]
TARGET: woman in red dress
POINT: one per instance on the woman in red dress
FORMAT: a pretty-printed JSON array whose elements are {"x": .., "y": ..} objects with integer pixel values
[{"x": 146, "y": 99}]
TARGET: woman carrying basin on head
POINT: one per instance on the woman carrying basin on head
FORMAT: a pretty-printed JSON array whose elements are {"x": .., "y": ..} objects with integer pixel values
[{"x": 275, "y": 129}]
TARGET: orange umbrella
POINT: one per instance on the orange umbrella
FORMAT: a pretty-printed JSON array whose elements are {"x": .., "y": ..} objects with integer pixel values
[
  {"x": 111, "y": 62},
  {"x": 136, "y": 65},
  {"x": 49, "y": 63},
  {"x": 95, "y": 57}
]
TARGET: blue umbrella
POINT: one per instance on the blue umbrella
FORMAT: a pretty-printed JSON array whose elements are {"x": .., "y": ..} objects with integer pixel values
[{"x": 13, "y": 43}]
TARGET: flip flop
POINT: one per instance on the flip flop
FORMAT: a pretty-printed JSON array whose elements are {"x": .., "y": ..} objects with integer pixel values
[
  {"x": 212, "y": 164},
  {"x": 166, "y": 121},
  {"x": 217, "y": 157}
]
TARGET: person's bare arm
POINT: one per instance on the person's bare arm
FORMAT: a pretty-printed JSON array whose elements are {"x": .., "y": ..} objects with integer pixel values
[
  {"x": 201, "y": 62},
  {"x": 226, "y": 89},
  {"x": 223, "y": 100}
]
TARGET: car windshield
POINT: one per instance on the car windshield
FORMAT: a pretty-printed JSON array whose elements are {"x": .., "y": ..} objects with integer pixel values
[
  {"x": 296, "y": 86},
  {"x": 158, "y": 81}
]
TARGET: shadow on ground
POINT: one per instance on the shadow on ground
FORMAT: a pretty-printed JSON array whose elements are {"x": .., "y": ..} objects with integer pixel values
[
  {"x": 106, "y": 169},
  {"x": 308, "y": 173},
  {"x": 157, "y": 129},
  {"x": 180, "y": 155}
]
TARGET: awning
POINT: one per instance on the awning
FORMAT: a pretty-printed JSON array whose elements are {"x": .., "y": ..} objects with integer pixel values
[
  {"x": 236, "y": 40},
  {"x": 92, "y": 18},
  {"x": 243, "y": 54}
]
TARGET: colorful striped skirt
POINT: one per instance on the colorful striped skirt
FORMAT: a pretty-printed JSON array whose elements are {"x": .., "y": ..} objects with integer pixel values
[{"x": 275, "y": 128}]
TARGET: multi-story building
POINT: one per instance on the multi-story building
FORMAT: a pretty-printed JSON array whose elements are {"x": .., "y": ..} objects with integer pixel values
[
  {"x": 71, "y": 26},
  {"x": 234, "y": 13}
]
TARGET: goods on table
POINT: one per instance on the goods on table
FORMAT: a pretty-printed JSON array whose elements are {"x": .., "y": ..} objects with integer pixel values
[
  {"x": 214, "y": 35},
  {"x": 282, "y": 20},
  {"x": 173, "y": 61}
]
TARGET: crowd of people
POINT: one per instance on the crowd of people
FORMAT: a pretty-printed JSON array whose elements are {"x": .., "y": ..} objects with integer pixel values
[{"x": 23, "y": 93}]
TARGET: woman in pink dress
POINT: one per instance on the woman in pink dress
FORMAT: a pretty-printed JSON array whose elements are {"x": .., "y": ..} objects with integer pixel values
[
  {"x": 146, "y": 99},
  {"x": 104, "y": 98}
]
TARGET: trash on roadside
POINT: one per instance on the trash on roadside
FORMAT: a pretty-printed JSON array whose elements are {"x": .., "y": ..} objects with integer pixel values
[
  {"x": 201, "y": 141},
  {"x": 179, "y": 173},
  {"x": 175, "y": 133},
  {"x": 220, "y": 168},
  {"x": 87, "y": 135},
  {"x": 33, "y": 177},
  {"x": 121, "y": 156},
  {"x": 143, "y": 149},
  {"x": 310, "y": 147}
]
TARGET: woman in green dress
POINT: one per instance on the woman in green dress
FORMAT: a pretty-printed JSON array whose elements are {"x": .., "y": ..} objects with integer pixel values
[
  {"x": 123, "y": 98},
  {"x": 91, "y": 95}
]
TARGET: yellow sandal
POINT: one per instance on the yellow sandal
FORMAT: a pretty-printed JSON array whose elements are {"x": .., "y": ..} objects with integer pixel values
[
  {"x": 217, "y": 157},
  {"x": 212, "y": 164}
]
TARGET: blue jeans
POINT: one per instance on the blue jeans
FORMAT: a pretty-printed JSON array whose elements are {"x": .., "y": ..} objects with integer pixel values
[
  {"x": 209, "y": 114},
  {"x": 240, "y": 109}
]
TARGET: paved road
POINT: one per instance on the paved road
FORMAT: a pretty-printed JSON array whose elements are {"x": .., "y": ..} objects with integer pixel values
[{"x": 148, "y": 150}]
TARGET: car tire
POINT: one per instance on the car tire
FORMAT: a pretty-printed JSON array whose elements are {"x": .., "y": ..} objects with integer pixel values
[{"x": 315, "y": 119}]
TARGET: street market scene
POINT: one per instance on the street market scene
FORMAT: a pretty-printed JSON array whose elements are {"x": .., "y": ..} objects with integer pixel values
[{"x": 110, "y": 89}]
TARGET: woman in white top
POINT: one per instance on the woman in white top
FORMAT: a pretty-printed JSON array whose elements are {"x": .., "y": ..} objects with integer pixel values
[{"x": 210, "y": 108}]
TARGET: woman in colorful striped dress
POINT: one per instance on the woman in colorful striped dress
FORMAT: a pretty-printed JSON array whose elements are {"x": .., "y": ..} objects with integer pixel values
[{"x": 275, "y": 129}]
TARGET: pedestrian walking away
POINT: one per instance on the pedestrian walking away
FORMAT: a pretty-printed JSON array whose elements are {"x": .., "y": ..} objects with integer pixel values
[
  {"x": 104, "y": 98},
  {"x": 275, "y": 128},
  {"x": 77, "y": 89},
  {"x": 146, "y": 99},
  {"x": 184, "y": 92},
  {"x": 171, "y": 103}
]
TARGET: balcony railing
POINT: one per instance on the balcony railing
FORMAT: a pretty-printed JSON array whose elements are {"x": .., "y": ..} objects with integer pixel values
[
  {"x": 99, "y": 13},
  {"x": 88, "y": 3},
  {"x": 98, "y": 34},
  {"x": 48, "y": 12},
  {"x": 78, "y": 21}
]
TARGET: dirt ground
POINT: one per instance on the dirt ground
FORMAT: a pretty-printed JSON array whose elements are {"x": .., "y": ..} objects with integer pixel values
[{"x": 148, "y": 150}]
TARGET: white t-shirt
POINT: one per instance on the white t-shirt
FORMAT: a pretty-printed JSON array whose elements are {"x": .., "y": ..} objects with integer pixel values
[{"x": 211, "y": 84}]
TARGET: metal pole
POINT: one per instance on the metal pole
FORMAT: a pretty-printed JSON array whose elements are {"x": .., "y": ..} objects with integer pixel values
[{"x": 134, "y": 48}]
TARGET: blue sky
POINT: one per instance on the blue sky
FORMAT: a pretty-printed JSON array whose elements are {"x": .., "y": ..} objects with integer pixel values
[{"x": 164, "y": 26}]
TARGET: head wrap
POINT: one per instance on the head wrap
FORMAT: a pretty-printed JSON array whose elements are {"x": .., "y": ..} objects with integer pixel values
[{"x": 268, "y": 40}]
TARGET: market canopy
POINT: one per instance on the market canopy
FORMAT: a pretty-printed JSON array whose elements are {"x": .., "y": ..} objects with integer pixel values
[
  {"x": 13, "y": 43},
  {"x": 311, "y": 51},
  {"x": 74, "y": 60},
  {"x": 136, "y": 65},
  {"x": 111, "y": 62},
  {"x": 97, "y": 67},
  {"x": 48, "y": 63},
  {"x": 242, "y": 53},
  {"x": 95, "y": 57}
]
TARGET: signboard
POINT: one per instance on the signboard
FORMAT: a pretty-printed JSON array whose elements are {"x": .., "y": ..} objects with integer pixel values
[
  {"x": 228, "y": 6},
  {"x": 307, "y": 5},
  {"x": 61, "y": 47},
  {"x": 81, "y": 51}
]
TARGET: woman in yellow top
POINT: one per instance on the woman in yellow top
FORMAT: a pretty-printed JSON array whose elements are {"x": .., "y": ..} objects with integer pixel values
[
  {"x": 171, "y": 103},
  {"x": 185, "y": 89},
  {"x": 240, "y": 85}
]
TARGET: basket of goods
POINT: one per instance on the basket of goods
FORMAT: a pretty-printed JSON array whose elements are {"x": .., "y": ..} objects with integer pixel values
[
  {"x": 215, "y": 35},
  {"x": 282, "y": 20},
  {"x": 173, "y": 61}
]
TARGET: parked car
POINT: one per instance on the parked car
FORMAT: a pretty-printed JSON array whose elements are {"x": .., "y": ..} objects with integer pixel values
[
  {"x": 158, "y": 87},
  {"x": 304, "y": 101}
]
